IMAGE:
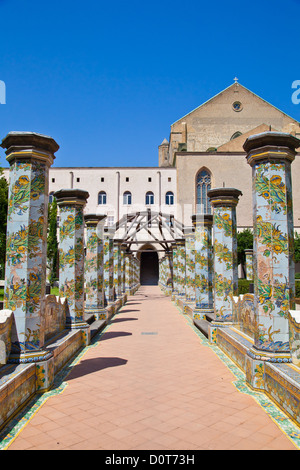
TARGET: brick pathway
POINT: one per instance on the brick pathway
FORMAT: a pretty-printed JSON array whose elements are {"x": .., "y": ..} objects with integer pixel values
[{"x": 151, "y": 383}]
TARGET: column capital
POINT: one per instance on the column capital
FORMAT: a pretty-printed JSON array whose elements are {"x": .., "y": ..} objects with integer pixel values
[
  {"x": 270, "y": 146},
  {"x": 93, "y": 219},
  {"x": 224, "y": 196},
  {"x": 202, "y": 220},
  {"x": 188, "y": 232},
  {"x": 76, "y": 197},
  {"x": 26, "y": 145}
]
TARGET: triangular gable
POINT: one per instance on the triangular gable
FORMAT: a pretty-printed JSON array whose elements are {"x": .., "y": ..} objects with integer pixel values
[
  {"x": 236, "y": 145},
  {"x": 225, "y": 90}
]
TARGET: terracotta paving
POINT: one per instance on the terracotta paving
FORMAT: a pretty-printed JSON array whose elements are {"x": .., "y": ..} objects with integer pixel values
[{"x": 150, "y": 383}]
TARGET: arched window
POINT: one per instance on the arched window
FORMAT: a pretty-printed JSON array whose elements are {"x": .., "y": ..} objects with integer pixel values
[
  {"x": 102, "y": 197},
  {"x": 127, "y": 199},
  {"x": 203, "y": 184},
  {"x": 51, "y": 197},
  {"x": 235, "y": 135},
  {"x": 169, "y": 198},
  {"x": 149, "y": 198}
]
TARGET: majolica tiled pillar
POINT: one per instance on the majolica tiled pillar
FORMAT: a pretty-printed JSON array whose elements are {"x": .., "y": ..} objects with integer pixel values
[
  {"x": 118, "y": 268},
  {"x": 224, "y": 202},
  {"x": 203, "y": 266},
  {"x": 181, "y": 266},
  {"x": 108, "y": 265},
  {"x": 94, "y": 302},
  {"x": 249, "y": 264},
  {"x": 71, "y": 203},
  {"x": 123, "y": 267},
  {"x": 190, "y": 266},
  {"x": 175, "y": 269},
  {"x": 30, "y": 155},
  {"x": 168, "y": 272},
  {"x": 127, "y": 257},
  {"x": 270, "y": 155}
]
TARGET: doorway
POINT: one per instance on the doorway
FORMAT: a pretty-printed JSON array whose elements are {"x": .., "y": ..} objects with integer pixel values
[{"x": 149, "y": 268}]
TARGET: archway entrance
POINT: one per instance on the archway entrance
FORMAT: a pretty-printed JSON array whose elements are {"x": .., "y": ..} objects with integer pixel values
[{"x": 149, "y": 268}]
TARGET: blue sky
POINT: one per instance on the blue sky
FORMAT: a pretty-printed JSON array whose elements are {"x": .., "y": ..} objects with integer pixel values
[{"x": 107, "y": 79}]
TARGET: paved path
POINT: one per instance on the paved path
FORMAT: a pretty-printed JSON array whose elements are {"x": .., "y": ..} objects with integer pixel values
[{"x": 151, "y": 382}]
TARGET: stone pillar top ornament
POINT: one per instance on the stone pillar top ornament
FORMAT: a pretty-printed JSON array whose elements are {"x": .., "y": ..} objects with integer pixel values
[
  {"x": 202, "y": 219},
  {"x": 71, "y": 196},
  {"x": 27, "y": 144},
  {"x": 224, "y": 196},
  {"x": 94, "y": 219},
  {"x": 270, "y": 146}
]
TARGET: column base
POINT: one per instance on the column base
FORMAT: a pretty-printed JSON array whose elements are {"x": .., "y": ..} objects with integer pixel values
[
  {"x": 29, "y": 357},
  {"x": 203, "y": 313},
  {"x": 256, "y": 361},
  {"x": 98, "y": 312},
  {"x": 85, "y": 330},
  {"x": 44, "y": 367},
  {"x": 213, "y": 328}
]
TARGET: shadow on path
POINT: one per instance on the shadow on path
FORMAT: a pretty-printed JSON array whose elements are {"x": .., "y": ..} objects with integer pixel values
[
  {"x": 89, "y": 366},
  {"x": 119, "y": 320},
  {"x": 114, "y": 334}
]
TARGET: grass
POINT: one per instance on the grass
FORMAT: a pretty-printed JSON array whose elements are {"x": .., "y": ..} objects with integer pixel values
[{"x": 54, "y": 291}]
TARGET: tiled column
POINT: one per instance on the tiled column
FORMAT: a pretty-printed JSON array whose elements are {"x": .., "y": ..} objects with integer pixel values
[
  {"x": 162, "y": 272},
  {"x": 270, "y": 155},
  {"x": 168, "y": 272},
  {"x": 127, "y": 256},
  {"x": 71, "y": 203},
  {"x": 203, "y": 266},
  {"x": 181, "y": 266},
  {"x": 249, "y": 264},
  {"x": 118, "y": 268},
  {"x": 108, "y": 266},
  {"x": 30, "y": 155},
  {"x": 224, "y": 202},
  {"x": 190, "y": 267},
  {"x": 175, "y": 269},
  {"x": 123, "y": 267},
  {"x": 94, "y": 302}
]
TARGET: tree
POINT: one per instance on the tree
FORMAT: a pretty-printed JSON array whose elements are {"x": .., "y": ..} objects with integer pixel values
[
  {"x": 244, "y": 242},
  {"x": 52, "y": 243},
  {"x": 3, "y": 221}
]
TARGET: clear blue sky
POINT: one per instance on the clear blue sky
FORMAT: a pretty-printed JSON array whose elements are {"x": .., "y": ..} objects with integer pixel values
[{"x": 106, "y": 79}]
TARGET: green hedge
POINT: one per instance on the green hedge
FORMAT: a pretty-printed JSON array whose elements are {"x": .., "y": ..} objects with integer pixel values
[{"x": 243, "y": 286}]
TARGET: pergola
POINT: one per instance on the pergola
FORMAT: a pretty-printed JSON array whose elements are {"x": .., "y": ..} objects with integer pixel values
[{"x": 161, "y": 229}]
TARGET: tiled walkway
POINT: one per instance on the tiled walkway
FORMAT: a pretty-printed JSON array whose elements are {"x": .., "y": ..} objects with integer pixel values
[{"x": 152, "y": 381}]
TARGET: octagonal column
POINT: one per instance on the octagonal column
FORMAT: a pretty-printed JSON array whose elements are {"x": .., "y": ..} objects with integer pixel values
[
  {"x": 29, "y": 155},
  {"x": 71, "y": 203},
  {"x": 118, "y": 268},
  {"x": 270, "y": 155},
  {"x": 175, "y": 269},
  {"x": 224, "y": 202},
  {"x": 123, "y": 267},
  {"x": 127, "y": 259},
  {"x": 94, "y": 302},
  {"x": 249, "y": 264},
  {"x": 181, "y": 266},
  {"x": 108, "y": 265},
  {"x": 189, "y": 266},
  {"x": 203, "y": 266}
]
